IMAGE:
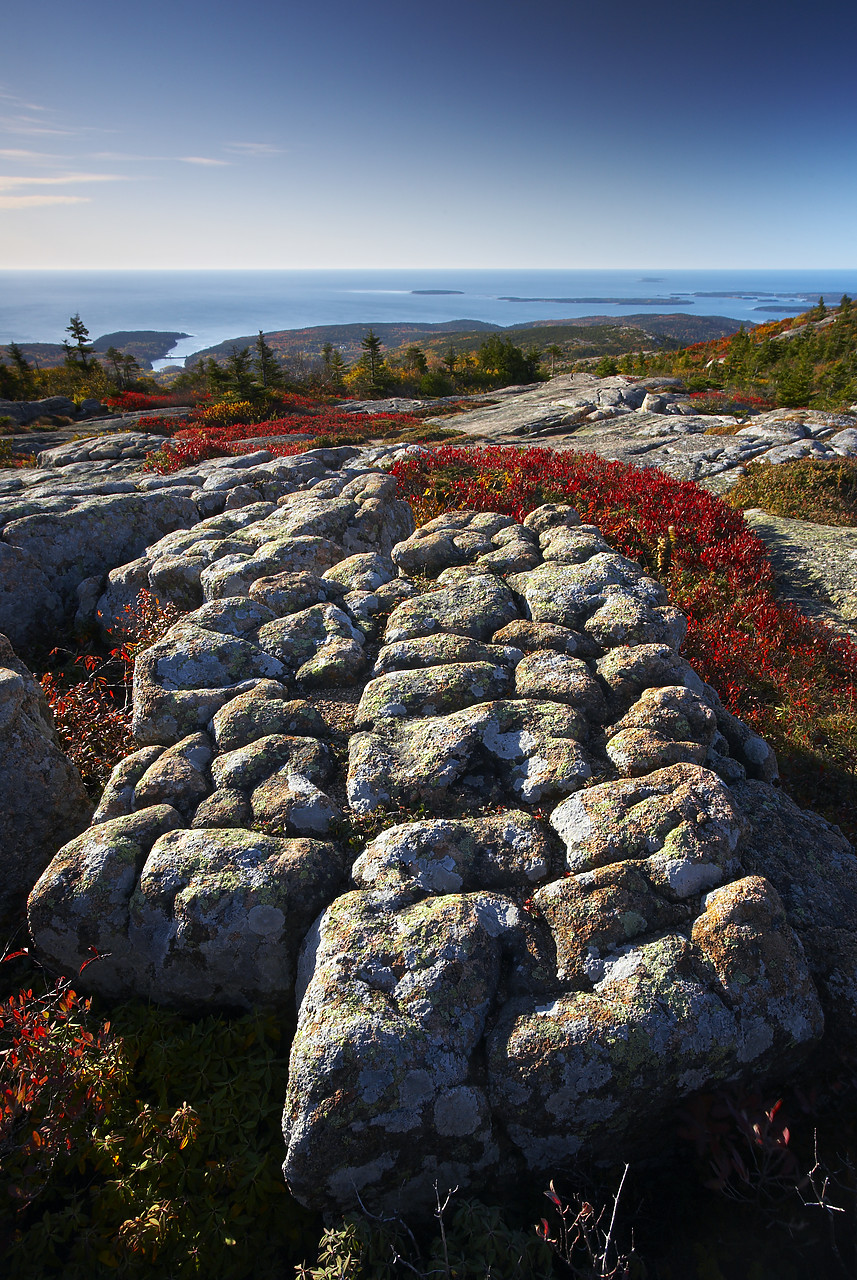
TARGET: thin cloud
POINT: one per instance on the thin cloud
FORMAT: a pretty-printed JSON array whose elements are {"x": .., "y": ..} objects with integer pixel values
[
  {"x": 202, "y": 160},
  {"x": 253, "y": 149},
  {"x": 18, "y": 153},
  {"x": 32, "y": 202},
  {"x": 20, "y": 102},
  {"x": 7, "y": 180},
  {"x": 27, "y": 125}
]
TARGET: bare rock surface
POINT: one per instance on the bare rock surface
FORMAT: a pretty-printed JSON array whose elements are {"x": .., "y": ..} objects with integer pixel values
[
  {"x": 582, "y": 923},
  {"x": 816, "y": 565},
  {"x": 42, "y": 799}
]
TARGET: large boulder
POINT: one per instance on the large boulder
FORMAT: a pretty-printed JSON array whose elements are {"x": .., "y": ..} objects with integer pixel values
[
  {"x": 583, "y": 924},
  {"x": 43, "y": 802}
]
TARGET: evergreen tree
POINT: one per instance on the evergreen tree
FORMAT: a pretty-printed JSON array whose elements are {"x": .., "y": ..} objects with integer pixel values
[
  {"x": 415, "y": 360},
  {"x": 23, "y": 371},
  {"x": 372, "y": 358},
  {"x": 81, "y": 355},
  {"x": 238, "y": 370},
  {"x": 555, "y": 352},
  {"x": 506, "y": 363},
  {"x": 265, "y": 362}
]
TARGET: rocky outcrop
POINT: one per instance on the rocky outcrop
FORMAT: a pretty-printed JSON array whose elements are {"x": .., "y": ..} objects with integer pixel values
[
  {"x": 24, "y": 411},
  {"x": 651, "y": 421},
  {"x": 42, "y": 799},
  {"x": 581, "y": 923}
]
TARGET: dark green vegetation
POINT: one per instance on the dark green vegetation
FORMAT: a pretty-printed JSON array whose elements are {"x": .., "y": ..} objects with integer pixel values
[
  {"x": 145, "y": 345},
  {"x": 807, "y": 362},
  {"x": 300, "y": 349}
]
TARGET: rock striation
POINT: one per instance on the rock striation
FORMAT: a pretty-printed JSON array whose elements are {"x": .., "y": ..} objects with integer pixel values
[{"x": 457, "y": 792}]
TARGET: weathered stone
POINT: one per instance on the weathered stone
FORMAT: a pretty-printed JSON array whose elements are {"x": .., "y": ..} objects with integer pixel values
[
  {"x": 665, "y": 726},
  {"x": 572, "y": 545},
  {"x": 585, "y": 1070},
  {"x": 439, "y": 856},
  {"x": 394, "y": 1008},
  {"x": 548, "y": 674},
  {"x": 218, "y": 915},
  {"x": 29, "y": 604},
  {"x": 594, "y": 914},
  {"x": 226, "y": 807},
  {"x": 289, "y": 802},
  {"x": 117, "y": 798},
  {"x": 364, "y": 572},
  {"x": 429, "y": 692},
  {"x": 78, "y": 910},
  {"x": 681, "y": 821},
  {"x": 299, "y": 638},
  {"x": 250, "y": 765},
  {"x": 264, "y": 710},
  {"x": 569, "y": 594},
  {"x": 476, "y": 607},
  {"x": 437, "y": 650},
  {"x": 531, "y": 749},
  {"x": 286, "y": 593},
  {"x": 178, "y": 776},
  {"x": 529, "y": 636},
  {"x": 814, "y": 868},
  {"x": 42, "y": 799}
]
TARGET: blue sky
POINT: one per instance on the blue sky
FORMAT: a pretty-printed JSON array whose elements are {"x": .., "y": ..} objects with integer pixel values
[{"x": 478, "y": 133}]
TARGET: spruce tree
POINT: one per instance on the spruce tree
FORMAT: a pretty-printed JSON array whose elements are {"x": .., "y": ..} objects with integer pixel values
[
  {"x": 372, "y": 358},
  {"x": 265, "y": 362}
]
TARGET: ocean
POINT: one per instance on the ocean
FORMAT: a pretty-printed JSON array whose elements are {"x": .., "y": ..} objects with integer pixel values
[{"x": 212, "y": 306}]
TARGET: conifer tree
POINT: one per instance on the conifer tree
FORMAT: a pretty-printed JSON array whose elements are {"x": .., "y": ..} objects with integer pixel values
[
  {"x": 265, "y": 362},
  {"x": 372, "y": 357},
  {"x": 81, "y": 355}
]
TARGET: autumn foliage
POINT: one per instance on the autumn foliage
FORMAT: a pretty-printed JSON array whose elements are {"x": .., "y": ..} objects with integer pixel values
[{"x": 792, "y": 679}]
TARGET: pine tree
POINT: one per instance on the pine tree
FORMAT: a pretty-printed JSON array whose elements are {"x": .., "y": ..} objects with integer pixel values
[{"x": 82, "y": 354}]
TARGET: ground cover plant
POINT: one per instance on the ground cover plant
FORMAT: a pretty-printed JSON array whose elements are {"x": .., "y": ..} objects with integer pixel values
[
  {"x": 815, "y": 489},
  {"x": 219, "y": 430},
  {"x": 792, "y": 679}
]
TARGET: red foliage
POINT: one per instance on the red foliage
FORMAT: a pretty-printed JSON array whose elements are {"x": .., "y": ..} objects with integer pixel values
[
  {"x": 192, "y": 443},
  {"x": 53, "y": 1073},
  {"x": 791, "y": 678},
  {"x": 135, "y": 401},
  {"x": 93, "y": 728}
]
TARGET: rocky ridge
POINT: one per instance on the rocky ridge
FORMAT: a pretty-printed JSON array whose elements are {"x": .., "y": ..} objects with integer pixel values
[{"x": 454, "y": 790}]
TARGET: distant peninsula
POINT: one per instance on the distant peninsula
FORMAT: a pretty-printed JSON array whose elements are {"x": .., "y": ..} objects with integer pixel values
[{"x": 145, "y": 345}]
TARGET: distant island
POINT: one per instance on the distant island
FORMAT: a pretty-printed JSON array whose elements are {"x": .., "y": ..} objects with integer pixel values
[
  {"x": 673, "y": 300},
  {"x": 441, "y": 293}
]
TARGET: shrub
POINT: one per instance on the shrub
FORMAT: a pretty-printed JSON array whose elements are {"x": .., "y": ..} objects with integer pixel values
[
  {"x": 807, "y": 489},
  {"x": 159, "y": 1148}
]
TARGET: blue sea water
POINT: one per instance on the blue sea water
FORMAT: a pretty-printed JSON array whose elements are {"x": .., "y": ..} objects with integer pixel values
[{"x": 212, "y": 306}]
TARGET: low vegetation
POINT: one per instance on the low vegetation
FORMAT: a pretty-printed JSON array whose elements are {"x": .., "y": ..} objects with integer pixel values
[
  {"x": 806, "y": 362},
  {"x": 814, "y": 489}
]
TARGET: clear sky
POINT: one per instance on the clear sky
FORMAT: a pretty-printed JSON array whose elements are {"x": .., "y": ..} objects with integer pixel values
[{"x": 462, "y": 133}]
